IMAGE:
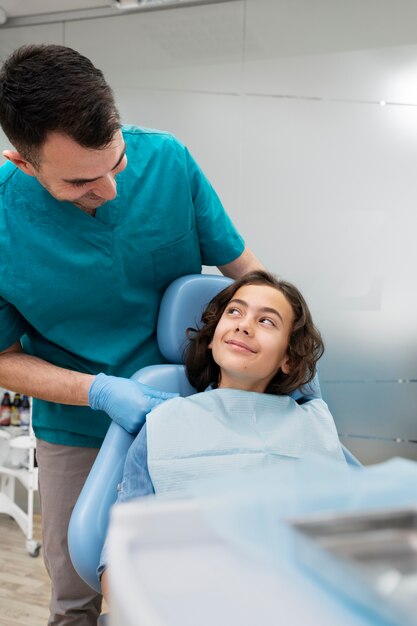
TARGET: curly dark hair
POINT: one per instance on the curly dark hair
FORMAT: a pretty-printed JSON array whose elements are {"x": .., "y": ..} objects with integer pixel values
[
  {"x": 305, "y": 345},
  {"x": 45, "y": 88}
]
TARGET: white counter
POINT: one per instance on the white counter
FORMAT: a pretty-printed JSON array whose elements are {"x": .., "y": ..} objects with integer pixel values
[{"x": 168, "y": 568}]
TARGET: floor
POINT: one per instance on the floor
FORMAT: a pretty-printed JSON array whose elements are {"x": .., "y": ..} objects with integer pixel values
[{"x": 24, "y": 583}]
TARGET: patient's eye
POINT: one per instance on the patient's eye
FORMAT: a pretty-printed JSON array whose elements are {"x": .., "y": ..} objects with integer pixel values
[
  {"x": 80, "y": 183},
  {"x": 233, "y": 310},
  {"x": 267, "y": 321}
]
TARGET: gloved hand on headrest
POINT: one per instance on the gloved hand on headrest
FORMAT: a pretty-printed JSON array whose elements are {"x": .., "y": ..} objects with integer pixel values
[{"x": 126, "y": 401}]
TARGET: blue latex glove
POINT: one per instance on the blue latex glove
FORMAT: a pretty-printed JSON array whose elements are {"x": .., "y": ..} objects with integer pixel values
[
  {"x": 307, "y": 392},
  {"x": 125, "y": 400}
]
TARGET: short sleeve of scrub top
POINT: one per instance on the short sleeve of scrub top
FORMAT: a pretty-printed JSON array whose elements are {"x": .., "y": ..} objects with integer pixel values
[
  {"x": 12, "y": 325},
  {"x": 209, "y": 212}
]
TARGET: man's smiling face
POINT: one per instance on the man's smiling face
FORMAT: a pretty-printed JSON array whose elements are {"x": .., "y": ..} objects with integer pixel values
[{"x": 83, "y": 176}]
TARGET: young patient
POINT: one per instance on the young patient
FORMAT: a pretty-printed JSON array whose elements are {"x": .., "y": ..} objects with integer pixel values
[{"x": 257, "y": 344}]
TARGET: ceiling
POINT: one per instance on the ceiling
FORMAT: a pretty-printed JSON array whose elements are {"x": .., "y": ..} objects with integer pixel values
[
  {"x": 22, "y": 12},
  {"x": 19, "y": 8}
]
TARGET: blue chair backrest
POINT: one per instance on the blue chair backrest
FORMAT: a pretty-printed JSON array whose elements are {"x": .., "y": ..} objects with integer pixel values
[{"x": 181, "y": 308}]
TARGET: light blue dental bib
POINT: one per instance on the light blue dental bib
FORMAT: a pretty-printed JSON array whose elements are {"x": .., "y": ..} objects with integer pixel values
[{"x": 210, "y": 433}]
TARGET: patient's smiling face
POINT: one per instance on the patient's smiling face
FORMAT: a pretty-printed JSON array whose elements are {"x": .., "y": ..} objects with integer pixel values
[{"x": 251, "y": 339}]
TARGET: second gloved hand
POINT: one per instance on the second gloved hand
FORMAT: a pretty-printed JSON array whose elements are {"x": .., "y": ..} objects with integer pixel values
[{"x": 125, "y": 400}]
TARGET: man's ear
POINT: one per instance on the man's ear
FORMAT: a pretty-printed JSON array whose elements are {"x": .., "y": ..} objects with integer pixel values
[{"x": 17, "y": 159}]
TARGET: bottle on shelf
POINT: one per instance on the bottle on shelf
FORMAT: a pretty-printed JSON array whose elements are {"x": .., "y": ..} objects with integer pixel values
[
  {"x": 5, "y": 410},
  {"x": 15, "y": 410},
  {"x": 25, "y": 411}
]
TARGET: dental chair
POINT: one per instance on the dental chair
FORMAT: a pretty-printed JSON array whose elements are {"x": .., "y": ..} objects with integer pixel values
[{"x": 181, "y": 307}]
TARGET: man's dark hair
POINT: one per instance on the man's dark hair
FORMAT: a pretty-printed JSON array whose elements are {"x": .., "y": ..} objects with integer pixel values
[
  {"x": 305, "y": 345},
  {"x": 46, "y": 88}
]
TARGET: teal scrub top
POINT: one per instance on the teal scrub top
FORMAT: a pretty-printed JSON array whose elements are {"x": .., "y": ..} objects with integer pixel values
[{"x": 83, "y": 292}]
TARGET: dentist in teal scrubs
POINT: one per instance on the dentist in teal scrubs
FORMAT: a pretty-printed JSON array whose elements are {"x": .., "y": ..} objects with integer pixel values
[{"x": 96, "y": 220}]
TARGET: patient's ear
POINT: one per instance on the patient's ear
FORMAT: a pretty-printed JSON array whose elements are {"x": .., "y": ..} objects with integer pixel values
[
  {"x": 285, "y": 365},
  {"x": 17, "y": 159}
]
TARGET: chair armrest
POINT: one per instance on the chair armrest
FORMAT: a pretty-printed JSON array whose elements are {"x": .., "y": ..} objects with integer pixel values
[{"x": 90, "y": 517}]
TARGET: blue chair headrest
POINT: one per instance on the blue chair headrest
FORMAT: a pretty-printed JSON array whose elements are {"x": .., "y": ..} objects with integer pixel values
[{"x": 181, "y": 308}]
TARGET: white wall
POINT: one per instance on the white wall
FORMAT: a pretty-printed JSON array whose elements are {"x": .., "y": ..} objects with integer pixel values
[{"x": 279, "y": 101}]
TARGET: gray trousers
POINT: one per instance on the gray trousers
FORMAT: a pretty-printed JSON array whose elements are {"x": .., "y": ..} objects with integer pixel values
[{"x": 62, "y": 473}]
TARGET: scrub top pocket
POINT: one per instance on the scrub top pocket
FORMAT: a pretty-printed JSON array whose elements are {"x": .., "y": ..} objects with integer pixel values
[{"x": 177, "y": 259}]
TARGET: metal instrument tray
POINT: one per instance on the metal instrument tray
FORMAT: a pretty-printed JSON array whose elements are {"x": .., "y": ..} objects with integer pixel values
[{"x": 370, "y": 557}]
